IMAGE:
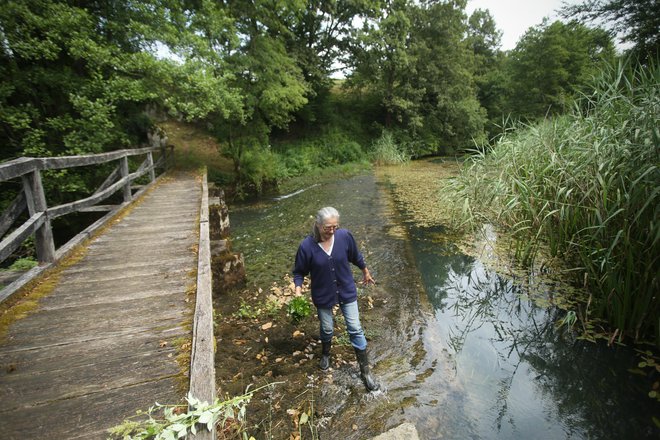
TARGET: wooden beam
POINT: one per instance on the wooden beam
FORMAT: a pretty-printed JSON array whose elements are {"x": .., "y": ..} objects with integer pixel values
[
  {"x": 68, "y": 208},
  {"x": 24, "y": 165},
  {"x": 150, "y": 165},
  {"x": 12, "y": 213},
  {"x": 16, "y": 168},
  {"x": 36, "y": 202},
  {"x": 114, "y": 175},
  {"x": 123, "y": 167},
  {"x": 60, "y": 162},
  {"x": 202, "y": 358},
  {"x": 14, "y": 240},
  {"x": 98, "y": 208}
]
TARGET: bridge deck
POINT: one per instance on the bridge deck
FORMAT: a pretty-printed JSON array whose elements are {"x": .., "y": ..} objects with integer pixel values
[{"x": 100, "y": 346}]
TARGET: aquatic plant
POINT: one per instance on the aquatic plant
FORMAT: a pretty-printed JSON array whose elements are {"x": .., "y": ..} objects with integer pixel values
[{"x": 586, "y": 186}]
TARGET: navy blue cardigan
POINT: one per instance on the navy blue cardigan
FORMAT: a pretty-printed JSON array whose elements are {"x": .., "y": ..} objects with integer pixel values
[{"x": 331, "y": 276}]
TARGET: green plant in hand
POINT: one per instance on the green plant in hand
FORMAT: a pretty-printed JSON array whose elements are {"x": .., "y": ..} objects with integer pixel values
[{"x": 298, "y": 309}]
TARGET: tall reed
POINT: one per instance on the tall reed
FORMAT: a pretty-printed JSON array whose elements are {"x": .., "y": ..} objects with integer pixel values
[{"x": 587, "y": 185}]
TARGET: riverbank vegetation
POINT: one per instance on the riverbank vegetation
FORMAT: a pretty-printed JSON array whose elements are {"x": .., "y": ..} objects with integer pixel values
[{"x": 585, "y": 186}]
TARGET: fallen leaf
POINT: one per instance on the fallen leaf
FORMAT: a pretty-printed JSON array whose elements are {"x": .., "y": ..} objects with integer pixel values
[
  {"x": 278, "y": 360},
  {"x": 266, "y": 339},
  {"x": 266, "y": 326},
  {"x": 297, "y": 333}
]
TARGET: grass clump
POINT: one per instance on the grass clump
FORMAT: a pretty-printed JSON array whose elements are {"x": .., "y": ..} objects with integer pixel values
[
  {"x": 387, "y": 151},
  {"x": 586, "y": 186}
]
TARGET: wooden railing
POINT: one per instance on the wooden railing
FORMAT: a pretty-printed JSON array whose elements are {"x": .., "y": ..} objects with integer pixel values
[{"x": 32, "y": 196}]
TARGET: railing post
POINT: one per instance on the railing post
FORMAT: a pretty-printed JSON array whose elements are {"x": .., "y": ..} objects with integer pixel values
[
  {"x": 123, "y": 165},
  {"x": 163, "y": 154},
  {"x": 36, "y": 203},
  {"x": 150, "y": 164}
]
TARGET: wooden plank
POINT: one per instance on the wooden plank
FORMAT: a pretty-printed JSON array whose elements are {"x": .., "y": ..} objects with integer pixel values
[
  {"x": 63, "y": 251},
  {"x": 12, "y": 213},
  {"x": 202, "y": 359},
  {"x": 87, "y": 416},
  {"x": 100, "y": 345},
  {"x": 14, "y": 240}
]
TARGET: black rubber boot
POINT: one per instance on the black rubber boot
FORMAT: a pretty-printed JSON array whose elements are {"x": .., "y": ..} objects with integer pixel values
[
  {"x": 365, "y": 372},
  {"x": 325, "y": 355}
]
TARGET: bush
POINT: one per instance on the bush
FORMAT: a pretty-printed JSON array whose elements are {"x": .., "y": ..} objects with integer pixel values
[{"x": 261, "y": 167}]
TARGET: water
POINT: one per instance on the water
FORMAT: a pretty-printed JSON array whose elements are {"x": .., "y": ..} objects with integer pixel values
[{"x": 460, "y": 351}]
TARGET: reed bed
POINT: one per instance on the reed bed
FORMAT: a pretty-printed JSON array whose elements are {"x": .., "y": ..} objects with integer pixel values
[{"x": 586, "y": 186}]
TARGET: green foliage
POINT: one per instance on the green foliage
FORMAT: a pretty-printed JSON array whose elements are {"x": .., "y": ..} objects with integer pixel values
[
  {"x": 272, "y": 307},
  {"x": 298, "y": 309},
  {"x": 246, "y": 311},
  {"x": 22, "y": 264},
  {"x": 414, "y": 59},
  {"x": 386, "y": 151},
  {"x": 186, "y": 421},
  {"x": 551, "y": 62},
  {"x": 586, "y": 185},
  {"x": 638, "y": 21}
]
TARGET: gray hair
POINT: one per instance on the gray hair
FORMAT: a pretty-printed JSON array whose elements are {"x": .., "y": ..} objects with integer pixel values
[{"x": 321, "y": 216}]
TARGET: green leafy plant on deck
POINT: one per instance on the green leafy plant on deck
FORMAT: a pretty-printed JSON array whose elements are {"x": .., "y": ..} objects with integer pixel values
[
  {"x": 173, "y": 424},
  {"x": 298, "y": 309},
  {"x": 23, "y": 264}
]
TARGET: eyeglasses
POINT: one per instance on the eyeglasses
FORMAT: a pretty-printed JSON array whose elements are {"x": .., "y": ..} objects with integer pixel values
[{"x": 328, "y": 228}]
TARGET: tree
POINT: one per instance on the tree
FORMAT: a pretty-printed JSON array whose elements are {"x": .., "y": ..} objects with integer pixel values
[
  {"x": 551, "y": 62},
  {"x": 248, "y": 39},
  {"x": 415, "y": 59},
  {"x": 637, "y": 20},
  {"x": 484, "y": 39},
  {"x": 77, "y": 76}
]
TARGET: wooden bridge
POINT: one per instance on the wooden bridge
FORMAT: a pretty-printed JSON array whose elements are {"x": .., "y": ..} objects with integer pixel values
[{"x": 124, "y": 302}]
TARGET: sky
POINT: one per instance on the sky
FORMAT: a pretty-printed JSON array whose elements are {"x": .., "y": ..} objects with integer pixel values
[{"x": 514, "y": 17}]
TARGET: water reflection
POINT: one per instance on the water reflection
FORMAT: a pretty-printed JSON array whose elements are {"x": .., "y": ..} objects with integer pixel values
[{"x": 521, "y": 378}]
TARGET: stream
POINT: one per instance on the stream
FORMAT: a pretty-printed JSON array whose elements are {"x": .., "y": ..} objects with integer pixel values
[{"x": 460, "y": 351}]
